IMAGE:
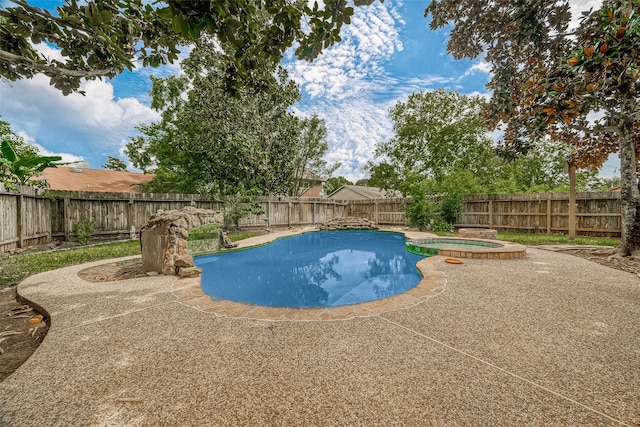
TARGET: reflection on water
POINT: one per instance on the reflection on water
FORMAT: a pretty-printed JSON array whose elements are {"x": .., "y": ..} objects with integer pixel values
[{"x": 327, "y": 268}]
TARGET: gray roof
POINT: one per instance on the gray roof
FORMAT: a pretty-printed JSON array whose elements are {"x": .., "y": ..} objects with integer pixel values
[{"x": 370, "y": 192}]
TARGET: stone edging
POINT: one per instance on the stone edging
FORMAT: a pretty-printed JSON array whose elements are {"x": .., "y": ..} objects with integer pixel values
[{"x": 188, "y": 292}]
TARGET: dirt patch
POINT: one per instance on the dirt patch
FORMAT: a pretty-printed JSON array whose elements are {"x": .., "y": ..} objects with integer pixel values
[
  {"x": 602, "y": 256},
  {"x": 22, "y": 329},
  {"x": 112, "y": 272}
]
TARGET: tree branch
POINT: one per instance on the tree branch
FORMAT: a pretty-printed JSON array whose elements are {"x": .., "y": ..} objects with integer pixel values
[{"x": 45, "y": 68}]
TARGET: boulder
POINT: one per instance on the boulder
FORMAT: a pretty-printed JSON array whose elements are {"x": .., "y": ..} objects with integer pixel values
[
  {"x": 164, "y": 238},
  {"x": 183, "y": 261},
  {"x": 349, "y": 223},
  {"x": 189, "y": 272}
]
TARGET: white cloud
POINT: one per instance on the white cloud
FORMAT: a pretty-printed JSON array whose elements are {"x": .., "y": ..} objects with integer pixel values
[
  {"x": 90, "y": 126},
  {"x": 49, "y": 52},
  {"x": 368, "y": 42},
  {"x": 348, "y": 86},
  {"x": 578, "y": 6},
  {"x": 343, "y": 82},
  {"x": 354, "y": 127},
  {"x": 479, "y": 67}
]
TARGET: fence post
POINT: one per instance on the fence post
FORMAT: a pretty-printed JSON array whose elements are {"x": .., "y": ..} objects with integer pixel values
[
  {"x": 268, "y": 217},
  {"x": 313, "y": 214},
  {"x": 65, "y": 219},
  {"x": 549, "y": 214},
  {"x": 490, "y": 213},
  {"x": 20, "y": 219},
  {"x": 375, "y": 212},
  {"x": 572, "y": 201},
  {"x": 130, "y": 212}
]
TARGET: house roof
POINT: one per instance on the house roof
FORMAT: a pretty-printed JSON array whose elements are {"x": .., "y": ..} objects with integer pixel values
[
  {"x": 81, "y": 179},
  {"x": 369, "y": 192},
  {"x": 310, "y": 192}
]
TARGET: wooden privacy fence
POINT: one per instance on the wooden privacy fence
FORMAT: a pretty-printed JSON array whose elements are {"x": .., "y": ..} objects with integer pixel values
[
  {"x": 294, "y": 211},
  {"x": 24, "y": 218},
  {"x": 380, "y": 211},
  {"x": 115, "y": 214},
  {"x": 31, "y": 217},
  {"x": 597, "y": 214}
]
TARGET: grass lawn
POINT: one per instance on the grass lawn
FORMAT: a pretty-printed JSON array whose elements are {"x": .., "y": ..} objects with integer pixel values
[
  {"x": 546, "y": 239},
  {"x": 15, "y": 268},
  {"x": 210, "y": 231}
]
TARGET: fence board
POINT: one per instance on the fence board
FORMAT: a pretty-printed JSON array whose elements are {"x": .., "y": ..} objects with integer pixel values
[
  {"x": 597, "y": 214},
  {"x": 30, "y": 217},
  {"x": 294, "y": 211},
  {"x": 24, "y": 220},
  {"x": 388, "y": 211}
]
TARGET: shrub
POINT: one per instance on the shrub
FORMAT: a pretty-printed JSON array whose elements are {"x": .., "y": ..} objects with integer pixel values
[
  {"x": 421, "y": 212},
  {"x": 83, "y": 230},
  {"x": 451, "y": 207}
]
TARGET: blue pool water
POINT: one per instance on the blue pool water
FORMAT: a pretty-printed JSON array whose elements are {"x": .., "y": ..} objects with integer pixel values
[{"x": 320, "y": 269}]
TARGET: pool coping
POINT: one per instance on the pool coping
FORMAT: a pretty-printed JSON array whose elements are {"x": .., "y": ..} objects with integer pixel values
[
  {"x": 507, "y": 250},
  {"x": 188, "y": 291}
]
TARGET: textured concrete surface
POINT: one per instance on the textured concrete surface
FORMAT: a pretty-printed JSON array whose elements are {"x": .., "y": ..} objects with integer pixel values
[{"x": 547, "y": 340}]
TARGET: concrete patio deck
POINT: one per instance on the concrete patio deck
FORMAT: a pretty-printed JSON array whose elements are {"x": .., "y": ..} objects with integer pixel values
[{"x": 546, "y": 340}]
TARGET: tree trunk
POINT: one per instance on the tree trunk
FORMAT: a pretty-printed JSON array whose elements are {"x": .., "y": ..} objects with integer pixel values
[{"x": 630, "y": 239}]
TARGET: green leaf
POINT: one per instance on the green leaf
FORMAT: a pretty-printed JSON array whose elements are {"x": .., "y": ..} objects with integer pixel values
[
  {"x": 166, "y": 13},
  {"x": 107, "y": 16},
  {"x": 8, "y": 152}
]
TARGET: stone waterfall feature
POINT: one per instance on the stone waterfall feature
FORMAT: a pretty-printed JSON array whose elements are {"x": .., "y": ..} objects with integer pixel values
[
  {"x": 163, "y": 240},
  {"x": 349, "y": 223}
]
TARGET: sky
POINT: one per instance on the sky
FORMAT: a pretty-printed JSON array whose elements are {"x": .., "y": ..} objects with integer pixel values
[{"x": 387, "y": 53}]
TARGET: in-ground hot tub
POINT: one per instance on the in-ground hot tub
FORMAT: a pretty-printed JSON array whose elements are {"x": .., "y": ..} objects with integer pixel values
[{"x": 466, "y": 248}]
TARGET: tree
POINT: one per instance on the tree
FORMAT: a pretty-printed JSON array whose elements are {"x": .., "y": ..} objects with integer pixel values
[
  {"x": 383, "y": 175},
  {"x": 309, "y": 150},
  {"x": 115, "y": 164},
  {"x": 21, "y": 148},
  {"x": 101, "y": 38},
  {"x": 211, "y": 142},
  {"x": 435, "y": 133},
  {"x": 19, "y": 162},
  {"x": 421, "y": 212},
  {"x": 334, "y": 183},
  {"x": 548, "y": 80},
  {"x": 540, "y": 170}
]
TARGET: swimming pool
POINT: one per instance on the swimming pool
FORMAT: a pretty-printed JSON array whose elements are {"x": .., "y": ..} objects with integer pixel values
[{"x": 319, "y": 269}]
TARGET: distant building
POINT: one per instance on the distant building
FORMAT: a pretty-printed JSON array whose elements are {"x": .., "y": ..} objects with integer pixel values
[
  {"x": 359, "y": 192},
  {"x": 317, "y": 191},
  {"x": 311, "y": 185},
  {"x": 82, "y": 179}
]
